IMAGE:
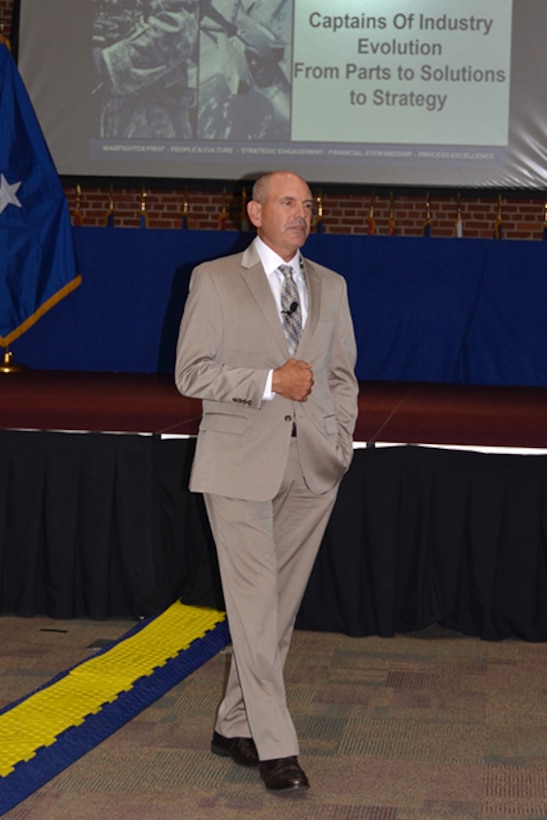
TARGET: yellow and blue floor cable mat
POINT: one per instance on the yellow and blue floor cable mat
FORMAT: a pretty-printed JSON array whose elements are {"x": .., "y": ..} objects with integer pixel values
[{"x": 46, "y": 731}]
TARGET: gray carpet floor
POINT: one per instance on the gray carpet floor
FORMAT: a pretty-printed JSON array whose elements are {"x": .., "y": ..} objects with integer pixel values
[{"x": 431, "y": 725}]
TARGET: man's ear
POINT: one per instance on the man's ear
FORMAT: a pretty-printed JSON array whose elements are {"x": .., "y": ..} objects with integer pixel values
[{"x": 254, "y": 210}]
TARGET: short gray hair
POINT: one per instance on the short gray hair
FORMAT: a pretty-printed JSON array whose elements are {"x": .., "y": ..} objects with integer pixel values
[{"x": 261, "y": 188}]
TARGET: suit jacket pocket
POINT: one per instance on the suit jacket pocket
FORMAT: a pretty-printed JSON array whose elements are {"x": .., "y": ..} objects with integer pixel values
[{"x": 223, "y": 423}]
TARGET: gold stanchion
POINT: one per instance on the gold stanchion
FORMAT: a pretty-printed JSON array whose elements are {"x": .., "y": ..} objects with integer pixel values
[{"x": 9, "y": 365}]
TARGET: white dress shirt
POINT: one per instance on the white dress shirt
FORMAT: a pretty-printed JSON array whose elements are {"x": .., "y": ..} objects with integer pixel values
[{"x": 270, "y": 262}]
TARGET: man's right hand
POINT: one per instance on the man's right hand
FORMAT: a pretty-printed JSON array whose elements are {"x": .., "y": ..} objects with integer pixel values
[{"x": 293, "y": 380}]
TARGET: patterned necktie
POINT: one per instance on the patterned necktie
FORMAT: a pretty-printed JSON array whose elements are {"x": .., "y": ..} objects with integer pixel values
[{"x": 290, "y": 309}]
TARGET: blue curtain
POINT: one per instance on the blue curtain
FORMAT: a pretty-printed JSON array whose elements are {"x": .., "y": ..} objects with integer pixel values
[{"x": 461, "y": 311}]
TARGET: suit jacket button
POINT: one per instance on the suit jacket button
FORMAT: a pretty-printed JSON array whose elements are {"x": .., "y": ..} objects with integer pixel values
[{"x": 288, "y": 418}]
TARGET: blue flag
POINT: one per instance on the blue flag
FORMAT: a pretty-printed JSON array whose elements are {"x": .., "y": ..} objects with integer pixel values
[{"x": 37, "y": 260}]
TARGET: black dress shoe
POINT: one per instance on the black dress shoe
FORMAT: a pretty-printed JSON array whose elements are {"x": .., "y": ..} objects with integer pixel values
[
  {"x": 283, "y": 774},
  {"x": 242, "y": 750}
]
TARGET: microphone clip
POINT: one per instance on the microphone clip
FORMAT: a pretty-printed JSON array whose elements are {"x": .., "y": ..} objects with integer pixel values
[{"x": 293, "y": 307}]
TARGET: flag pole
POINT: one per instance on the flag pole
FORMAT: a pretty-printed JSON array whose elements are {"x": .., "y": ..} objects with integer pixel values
[
  {"x": 426, "y": 227},
  {"x": 223, "y": 216},
  {"x": 458, "y": 225},
  {"x": 184, "y": 223},
  {"x": 77, "y": 220},
  {"x": 391, "y": 220},
  {"x": 498, "y": 225},
  {"x": 143, "y": 219},
  {"x": 371, "y": 222},
  {"x": 244, "y": 219},
  {"x": 319, "y": 226},
  {"x": 109, "y": 217},
  {"x": 3, "y": 37}
]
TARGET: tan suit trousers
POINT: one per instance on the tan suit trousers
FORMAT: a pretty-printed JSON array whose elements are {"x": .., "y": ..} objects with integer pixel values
[{"x": 266, "y": 551}]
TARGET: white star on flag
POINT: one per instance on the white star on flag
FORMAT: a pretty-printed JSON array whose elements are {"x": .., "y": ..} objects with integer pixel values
[{"x": 7, "y": 194}]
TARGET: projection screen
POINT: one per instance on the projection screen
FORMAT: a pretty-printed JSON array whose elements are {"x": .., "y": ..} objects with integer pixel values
[{"x": 387, "y": 92}]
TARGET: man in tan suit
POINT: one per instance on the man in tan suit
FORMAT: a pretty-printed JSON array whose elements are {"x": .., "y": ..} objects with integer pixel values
[{"x": 271, "y": 352}]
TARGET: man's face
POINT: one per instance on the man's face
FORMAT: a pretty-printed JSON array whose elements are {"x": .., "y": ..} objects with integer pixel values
[{"x": 283, "y": 219}]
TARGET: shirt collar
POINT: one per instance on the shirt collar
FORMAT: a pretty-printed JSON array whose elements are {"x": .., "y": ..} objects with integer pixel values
[{"x": 271, "y": 260}]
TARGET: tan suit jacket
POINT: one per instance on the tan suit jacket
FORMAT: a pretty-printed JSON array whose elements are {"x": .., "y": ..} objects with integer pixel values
[{"x": 230, "y": 337}]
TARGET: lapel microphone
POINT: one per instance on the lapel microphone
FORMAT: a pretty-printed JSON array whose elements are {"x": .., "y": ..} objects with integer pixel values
[{"x": 292, "y": 307}]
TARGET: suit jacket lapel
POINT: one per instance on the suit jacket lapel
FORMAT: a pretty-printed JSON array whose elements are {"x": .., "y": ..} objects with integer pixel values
[
  {"x": 257, "y": 282},
  {"x": 313, "y": 282}
]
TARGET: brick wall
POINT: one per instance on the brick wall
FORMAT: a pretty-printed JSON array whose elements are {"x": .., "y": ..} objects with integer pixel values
[{"x": 343, "y": 211}]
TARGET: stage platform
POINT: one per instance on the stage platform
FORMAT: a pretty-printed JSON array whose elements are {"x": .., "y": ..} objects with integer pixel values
[
  {"x": 96, "y": 519},
  {"x": 513, "y": 418}
]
